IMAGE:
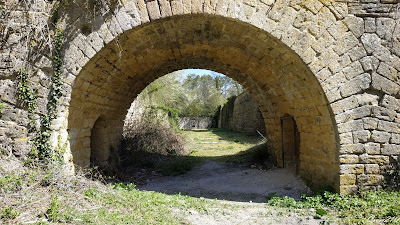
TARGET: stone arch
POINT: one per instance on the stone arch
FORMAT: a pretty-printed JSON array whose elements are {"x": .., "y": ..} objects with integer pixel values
[{"x": 277, "y": 78}]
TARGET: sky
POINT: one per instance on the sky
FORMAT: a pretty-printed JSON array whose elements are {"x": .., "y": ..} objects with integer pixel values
[{"x": 200, "y": 72}]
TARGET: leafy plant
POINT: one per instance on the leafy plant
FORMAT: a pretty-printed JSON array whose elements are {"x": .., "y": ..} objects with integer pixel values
[
  {"x": 8, "y": 213},
  {"x": 10, "y": 183},
  {"x": 367, "y": 206},
  {"x": 53, "y": 211}
]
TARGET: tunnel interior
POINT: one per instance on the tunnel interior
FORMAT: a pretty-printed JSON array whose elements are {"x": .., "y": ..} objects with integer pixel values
[{"x": 275, "y": 76}]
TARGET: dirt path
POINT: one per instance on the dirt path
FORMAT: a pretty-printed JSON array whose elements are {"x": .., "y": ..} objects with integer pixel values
[
  {"x": 239, "y": 194},
  {"x": 227, "y": 182}
]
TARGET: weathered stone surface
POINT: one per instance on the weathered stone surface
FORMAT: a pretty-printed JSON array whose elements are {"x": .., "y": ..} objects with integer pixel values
[
  {"x": 348, "y": 179},
  {"x": 334, "y": 67},
  {"x": 391, "y": 149},
  {"x": 372, "y": 148},
  {"x": 352, "y": 169},
  {"x": 380, "y": 136}
]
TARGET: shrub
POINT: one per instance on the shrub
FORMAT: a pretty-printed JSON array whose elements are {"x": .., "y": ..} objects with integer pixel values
[{"x": 151, "y": 137}]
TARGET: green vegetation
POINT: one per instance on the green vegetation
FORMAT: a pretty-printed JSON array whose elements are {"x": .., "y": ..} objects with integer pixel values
[
  {"x": 368, "y": 207},
  {"x": 8, "y": 213},
  {"x": 27, "y": 96},
  {"x": 41, "y": 143},
  {"x": 191, "y": 95},
  {"x": 10, "y": 182},
  {"x": 201, "y": 145},
  {"x": 56, "y": 198},
  {"x": 53, "y": 211}
]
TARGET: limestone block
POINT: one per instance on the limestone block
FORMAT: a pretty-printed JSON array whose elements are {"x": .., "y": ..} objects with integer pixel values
[
  {"x": 352, "y": 169},
  {"x": 395, "y": 138},
  {"x": 383, "y": 113},
  {"x": 358, "y": 84},
  {"x": 323, "y": 74},
  {"x": 153, "y": 10},
  {"x": 124, "y": 20},
  {"x": 141, "y": 6},
  {"x": 165, "y": 8},
  {"x": 361, "y": 137},
  {"x": 378, "y": 159},
  {"x": 353, "y": 70},
  {"x": 371, "y": 42},
  {"x": 357, "y": 53},
  {"x": 348, "y": 159},
  {"x": 95, "y": 41},
  {"x": 131, "y": 9},
  {"x": 388, "y": 126},
  {"x": 337, "y": 30},
  {"x": 355, "y": 25},
  {"x": 352, "y": 149},
  {"x": 372, "y": 148},
  {"x": 369, "y": 63},
  {"x": 346, "y": 189},
  {"x": 372, "y": 169},
  {"x": 197, "y": 6},
  {"x": 209, "y": 6},
  {"x": 370, "y": 25},
  {"x": 391, "y": 149},
  {"x": 346, "y": 138},
  {"x": 345, "y": 104},
  {"x": 391, "y": 103},
  {"x": 371, "y": 179},
  {"x": 334, "y": 81},
  {"x": 380, "y": 136},
  {"x": 383, "y": 26},
  {"x": 353, "y": 114},
  {"x": 347, "y": 42},
  {"x": 347, "y": 179},
  {"x": 383, "y": 84},
  {"x": 8, "y": 91},
  {"x": 387, "y": 71}
]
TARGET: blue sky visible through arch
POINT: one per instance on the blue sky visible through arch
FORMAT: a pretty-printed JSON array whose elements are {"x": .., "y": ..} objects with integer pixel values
[{"x": 200, "y": 72}]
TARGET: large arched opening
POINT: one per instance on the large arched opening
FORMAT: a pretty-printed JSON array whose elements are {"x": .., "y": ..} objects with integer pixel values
[{"x": 275, "y": 76}]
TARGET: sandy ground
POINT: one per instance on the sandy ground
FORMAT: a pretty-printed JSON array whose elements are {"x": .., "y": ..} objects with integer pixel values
[
  {"x": 240, "y": 192},
  {"x": 227, "y": 182}
]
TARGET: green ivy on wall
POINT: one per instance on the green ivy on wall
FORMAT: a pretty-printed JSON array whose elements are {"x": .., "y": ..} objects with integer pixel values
[
  {"x": 42, "y": 140},
  {"x": 27, "y": 96},
  {"x": 42, "y": 148}
]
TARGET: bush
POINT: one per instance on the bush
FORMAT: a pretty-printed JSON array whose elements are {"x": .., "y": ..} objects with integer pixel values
[{"x": 151, "y": 137}]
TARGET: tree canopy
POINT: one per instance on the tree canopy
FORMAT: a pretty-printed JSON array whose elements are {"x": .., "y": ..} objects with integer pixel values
[{"x": 190, "y": 95}]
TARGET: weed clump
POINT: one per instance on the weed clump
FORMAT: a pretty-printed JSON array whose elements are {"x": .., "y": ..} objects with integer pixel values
[{"x": 364, "y": 208}]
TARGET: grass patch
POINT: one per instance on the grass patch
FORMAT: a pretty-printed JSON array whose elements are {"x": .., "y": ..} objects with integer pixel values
[
  {"x": 10, "y": 182},
  {"x": 364, "y": 208}
]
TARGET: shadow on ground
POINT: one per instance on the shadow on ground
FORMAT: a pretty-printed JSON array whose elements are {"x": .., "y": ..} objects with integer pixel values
[{"x": 248, "y": 175}]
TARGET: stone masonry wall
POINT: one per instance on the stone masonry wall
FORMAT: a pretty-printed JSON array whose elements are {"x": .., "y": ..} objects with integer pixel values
[
  {"x": 25, "y": 45},
  {"x": 243, "y": 116},
  {"x": 332, "y": 65}
]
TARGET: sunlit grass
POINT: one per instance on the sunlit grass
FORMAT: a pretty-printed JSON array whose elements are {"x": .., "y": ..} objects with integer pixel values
[{"x": 219, "y": 142}]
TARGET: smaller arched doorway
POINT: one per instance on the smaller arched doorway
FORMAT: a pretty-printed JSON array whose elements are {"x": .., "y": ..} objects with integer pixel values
[
  {"x": 290, "y": 144},
  {"x": 98, "y": 143}
]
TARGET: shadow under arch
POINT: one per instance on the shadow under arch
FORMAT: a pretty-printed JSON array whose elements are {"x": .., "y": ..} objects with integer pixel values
[{"x": 275, "y": 76}]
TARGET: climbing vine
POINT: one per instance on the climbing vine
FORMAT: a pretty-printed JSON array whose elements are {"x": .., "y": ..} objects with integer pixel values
[
  {"x": 42, "y": 148},
  {"x": 42, "y": 140},
  {"x": 27, "y": 96}
]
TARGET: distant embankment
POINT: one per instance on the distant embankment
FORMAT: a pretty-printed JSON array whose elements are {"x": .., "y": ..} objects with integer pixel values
[
  {"x": 241, "y": 114},
  {"x": 189, "y": 123}
]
